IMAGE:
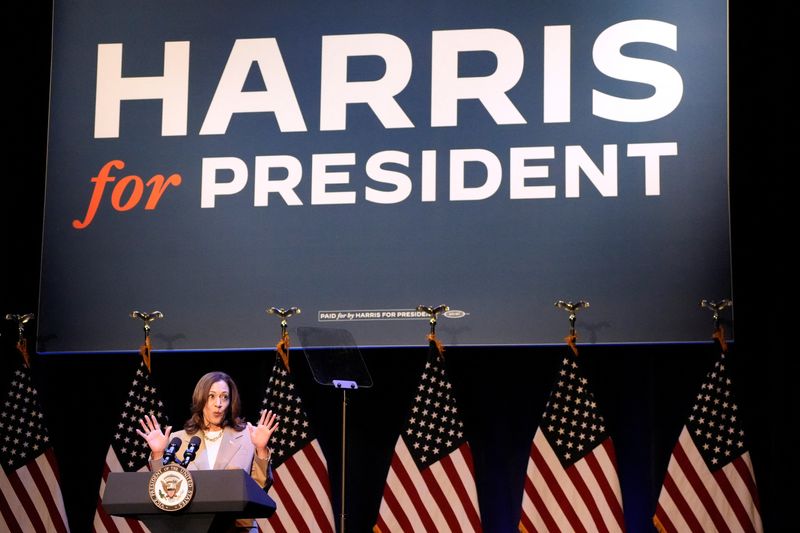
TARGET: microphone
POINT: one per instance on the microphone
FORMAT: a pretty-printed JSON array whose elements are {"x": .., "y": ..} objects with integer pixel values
[
  {"x": 169, "y": 453},
  {"x": 191, "y": 451}
]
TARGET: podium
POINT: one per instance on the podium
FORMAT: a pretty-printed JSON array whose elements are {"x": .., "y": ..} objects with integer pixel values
[{"x": 220, "y": 497}]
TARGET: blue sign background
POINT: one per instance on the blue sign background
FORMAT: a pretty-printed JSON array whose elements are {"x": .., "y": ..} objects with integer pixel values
[{"x": 643, "y": 262}]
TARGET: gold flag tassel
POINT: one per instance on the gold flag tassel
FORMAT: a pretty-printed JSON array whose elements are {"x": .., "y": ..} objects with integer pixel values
[
  {"x": 432, "y": 312},
  {"x": 716, "y": 308},
  {"x": 283, "y": 349},
  {"x": 572, "y": 308},
  {"x": 22, "y": 347},
  {"x": 719, "y": 336},
  {"x": 436, "y": 342},
  {"x": 571, "y": 341},
  {"x": 22, "y": 341},
  {"x": 144, "y": 349}
]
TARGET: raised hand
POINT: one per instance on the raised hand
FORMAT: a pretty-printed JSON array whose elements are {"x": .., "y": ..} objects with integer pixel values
[
  {"x": 261, "y": 432},
  {"x": 156, "y": 439}
]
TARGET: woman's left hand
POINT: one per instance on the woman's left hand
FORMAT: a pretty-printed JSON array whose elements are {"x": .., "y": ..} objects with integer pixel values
[{"x": 261, "y": 433}]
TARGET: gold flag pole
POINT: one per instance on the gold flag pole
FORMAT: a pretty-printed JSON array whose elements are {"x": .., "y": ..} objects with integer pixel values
[
  {"x": 146, "y": 348},
  {"x": 283, "y": 344},
  {"x": 715, "y": 308},
  {"x": 572, "y": 308},
  {"x": 22, "y": 341}
]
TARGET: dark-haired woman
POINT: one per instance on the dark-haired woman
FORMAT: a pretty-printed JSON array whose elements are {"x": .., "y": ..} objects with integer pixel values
[{"x": 226, "y": 440}]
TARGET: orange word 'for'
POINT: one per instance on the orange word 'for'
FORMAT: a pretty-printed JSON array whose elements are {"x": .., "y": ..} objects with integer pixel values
[{"x": 127, "y": 192}]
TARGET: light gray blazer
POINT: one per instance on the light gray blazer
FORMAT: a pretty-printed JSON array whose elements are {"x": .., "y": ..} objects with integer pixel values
[{"x": 235, "y": 451}]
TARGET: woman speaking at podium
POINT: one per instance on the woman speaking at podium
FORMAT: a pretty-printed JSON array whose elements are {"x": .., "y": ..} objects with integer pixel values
[{"x": 226, "y": 441}]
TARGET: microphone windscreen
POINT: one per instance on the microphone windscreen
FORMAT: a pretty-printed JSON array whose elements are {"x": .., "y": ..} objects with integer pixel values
[
  {"x": 169, "y": 453},
  {"x": 191, "y": 450}
]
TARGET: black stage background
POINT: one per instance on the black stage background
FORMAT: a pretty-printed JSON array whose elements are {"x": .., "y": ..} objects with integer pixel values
[{"x": 645, "y": 391}]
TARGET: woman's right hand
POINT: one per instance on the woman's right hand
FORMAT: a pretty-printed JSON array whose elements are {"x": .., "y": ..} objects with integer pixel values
[{"x": 156, "y": 439}]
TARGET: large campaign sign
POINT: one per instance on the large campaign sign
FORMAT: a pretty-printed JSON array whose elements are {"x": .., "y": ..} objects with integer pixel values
[{"x": 211, "y": 160}]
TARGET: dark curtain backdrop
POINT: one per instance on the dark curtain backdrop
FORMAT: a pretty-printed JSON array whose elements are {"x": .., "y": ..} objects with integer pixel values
[{"x": 644, "y": 391}]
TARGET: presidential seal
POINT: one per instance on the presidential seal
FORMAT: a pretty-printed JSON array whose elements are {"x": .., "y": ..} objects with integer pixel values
[{"x": 171, "y": 487}]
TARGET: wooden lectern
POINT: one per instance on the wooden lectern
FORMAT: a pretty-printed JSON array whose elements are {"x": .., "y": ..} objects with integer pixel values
[{"x": 219, "y": 497}]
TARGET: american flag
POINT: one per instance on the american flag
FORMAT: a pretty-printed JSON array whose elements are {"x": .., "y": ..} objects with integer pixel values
[
  {"x": 128, "y": 451},
  {"x": 301, "y": 486},
  {"x": 29, "y": 481},
  {"x": 709, "y": 484},
  {"x": 571, "y": 482},
  {"x": 431, "y": 481}
]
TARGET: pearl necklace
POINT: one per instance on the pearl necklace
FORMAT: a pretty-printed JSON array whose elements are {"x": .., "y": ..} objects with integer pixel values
[{"x": 215, "y": 438}]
